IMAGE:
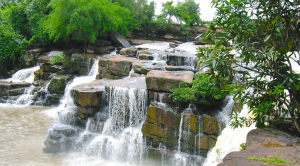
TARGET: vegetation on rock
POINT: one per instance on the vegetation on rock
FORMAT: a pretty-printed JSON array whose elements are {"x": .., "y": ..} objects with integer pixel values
[
  {"x": 202, "y": 91},
  {"x": 260, "y": 38}
]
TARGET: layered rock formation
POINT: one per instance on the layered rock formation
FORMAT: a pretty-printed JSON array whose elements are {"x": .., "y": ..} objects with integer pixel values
[{"x": 184, "y": 131}]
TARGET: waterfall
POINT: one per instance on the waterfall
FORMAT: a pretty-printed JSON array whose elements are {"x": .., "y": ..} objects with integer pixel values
[
  {"x": 67, "y": 113},
  {"x": 121, "y": 138},
  {"x": 229, "y": 141}
]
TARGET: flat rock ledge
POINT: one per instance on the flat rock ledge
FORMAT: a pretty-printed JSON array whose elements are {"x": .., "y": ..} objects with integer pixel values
[
  {"x": 166, "y": 80},
  {"x": 268, "y": 143}
]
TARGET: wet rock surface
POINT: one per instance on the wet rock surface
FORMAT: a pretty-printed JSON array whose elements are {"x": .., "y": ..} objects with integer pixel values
[
  {"x": 61, "y": 138},
  {"x": 267, "y": 143},
  {"x": 185, "y": 131}
]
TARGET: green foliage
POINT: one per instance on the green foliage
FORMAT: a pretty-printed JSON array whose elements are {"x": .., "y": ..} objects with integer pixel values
[
  {"x": 62, "y": 59},
  {"x": 202, "y": 91},
  {"x": 243, "y": 146},
  {"x": 12, "y": 45},
  {"x": 84, "y": 20},
  {"x": 25, "y": 18},
  {"x": 265, "y": 36},
  {"x": 188, "y": 11},
  {"x": 276, "y": 160},
  {"x": 56, "y": 86}
]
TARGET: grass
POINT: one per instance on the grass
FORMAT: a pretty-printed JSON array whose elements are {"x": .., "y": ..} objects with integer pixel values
[{"x": 276, "y": 160}]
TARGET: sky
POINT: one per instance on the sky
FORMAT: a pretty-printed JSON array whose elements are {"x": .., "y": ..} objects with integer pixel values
[{"x": 207, "y": 13}]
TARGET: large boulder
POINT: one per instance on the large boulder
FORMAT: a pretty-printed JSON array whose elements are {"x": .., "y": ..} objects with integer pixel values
[
  {"x": 186, "y": 131},
  {"x": 90, "y": 99},
  {"x": 115, "y": 66},
  {"x": 89, "y": 94},
  {"x": 166, "y": 80},
  {"x": 269, "y": 143},
  {"x": 119, "y": 39}
]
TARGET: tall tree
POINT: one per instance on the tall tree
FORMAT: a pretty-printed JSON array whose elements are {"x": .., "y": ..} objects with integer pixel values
[
  {"x": 84, "y": 20},
  {"x": 261, "y": 39}
]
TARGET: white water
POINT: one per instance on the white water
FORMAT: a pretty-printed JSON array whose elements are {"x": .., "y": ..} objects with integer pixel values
[
  {"x": 67, "y": 108},
  {"x": 229, "y": 141},
  {"x": 121, "y": 139}
]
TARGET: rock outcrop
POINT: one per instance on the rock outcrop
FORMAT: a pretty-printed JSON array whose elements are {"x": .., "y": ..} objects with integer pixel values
[
  {"x": 115, "y": 66},
  {"x": 267, "y": 143},
  {"x": 89, "y": 98},
  {"x": 184, "y": 131},
  {"x": 166, "y": 80}
]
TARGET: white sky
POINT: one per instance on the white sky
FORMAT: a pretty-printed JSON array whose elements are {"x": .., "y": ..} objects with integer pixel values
[{"x": 207, "y": 13}]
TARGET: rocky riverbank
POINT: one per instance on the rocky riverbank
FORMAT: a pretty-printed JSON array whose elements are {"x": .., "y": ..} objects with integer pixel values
[{"x": 266, "y": 143}]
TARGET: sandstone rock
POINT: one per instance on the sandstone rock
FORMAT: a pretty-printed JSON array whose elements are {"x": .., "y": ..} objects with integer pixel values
[
  {"x": 145, "y": 57},
  {"x": 166, "y": 80},
  {"x": 268, "y": 143},
  {"x": 178, "y": 68},
  {"x": 143, "y": 67},
  {"x": 136, "y": 82},
  {"x": 168, "y": 127},
  {"x": 129, "y": 52},
  {"x": 5, "y": 86},
  {"x": 89, "y": 95},
  {"x": 115, "y": 66}
]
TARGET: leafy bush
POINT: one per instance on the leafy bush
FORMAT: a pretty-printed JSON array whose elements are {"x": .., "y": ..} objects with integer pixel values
[
  {"x": 202, "y": 91},
  {"x": 62, "y": 59}
]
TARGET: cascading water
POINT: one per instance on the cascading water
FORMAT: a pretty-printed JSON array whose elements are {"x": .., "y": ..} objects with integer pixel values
[{"x": 67, "y": 113}]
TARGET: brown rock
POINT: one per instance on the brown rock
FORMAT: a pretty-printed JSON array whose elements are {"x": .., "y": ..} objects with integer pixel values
[
  {"x": 89, "y": 95},
  {"x": 129, "y": 52},
  {"x": 115, "y": 66},
  {"x": 145, "y": 57},
  {"x": 166, "y": 80}
]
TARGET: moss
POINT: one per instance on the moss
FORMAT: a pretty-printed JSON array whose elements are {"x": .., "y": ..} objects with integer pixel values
[{"x": 276, "y": 160}]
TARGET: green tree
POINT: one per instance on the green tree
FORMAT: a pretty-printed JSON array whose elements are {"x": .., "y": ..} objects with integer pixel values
[
  {"x": 189, "y": 12},
  {"x": 84, "y": 20},
  {"x": 261, "y": 39},
  {"x": 25, "y": 18}
]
